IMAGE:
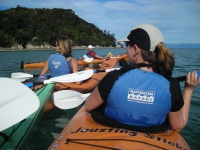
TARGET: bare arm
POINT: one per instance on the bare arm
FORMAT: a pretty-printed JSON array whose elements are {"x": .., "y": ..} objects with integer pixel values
[
  {"x": 74, "y": 64},
  {"x": 97, "y": 56},
  {"x": 179, "y": 119},
  {"x": 94, "y": 100},
  {"x": 45, "y": 69}
]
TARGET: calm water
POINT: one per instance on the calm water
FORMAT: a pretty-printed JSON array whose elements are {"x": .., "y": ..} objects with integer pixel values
[{"x": 54, "y": 121}]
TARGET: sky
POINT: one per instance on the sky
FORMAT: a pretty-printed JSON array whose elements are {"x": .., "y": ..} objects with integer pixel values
[{"x": 178, "y": 20}]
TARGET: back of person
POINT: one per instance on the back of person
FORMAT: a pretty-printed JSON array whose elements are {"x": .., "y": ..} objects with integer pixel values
[
  {"x": 58, "y": 65},
  {"x": 144, "y": 97},
  {"x": 139, "y": 102}
]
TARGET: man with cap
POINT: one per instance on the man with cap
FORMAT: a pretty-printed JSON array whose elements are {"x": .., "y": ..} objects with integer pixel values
[
  {"x": 143, "y": 96},
  {"x": 92, "y": 53}
]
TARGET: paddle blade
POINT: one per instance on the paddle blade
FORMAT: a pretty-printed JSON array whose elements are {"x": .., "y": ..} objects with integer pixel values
[
  {"x": 88, "y": 59},
  {"x": 73, "y": 77},
  {"x": 68, "y": 99},
  {"x": 16, "y": 102},
  {"x": 20, "y": 76},
  {"x": 85, "y": 56}
]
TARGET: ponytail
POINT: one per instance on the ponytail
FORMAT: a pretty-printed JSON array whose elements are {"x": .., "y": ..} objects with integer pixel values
[{"x": 161, "y": 58}]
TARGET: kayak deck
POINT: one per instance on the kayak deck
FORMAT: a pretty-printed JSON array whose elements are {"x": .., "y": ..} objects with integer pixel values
[{"x": 83, "y": 132}]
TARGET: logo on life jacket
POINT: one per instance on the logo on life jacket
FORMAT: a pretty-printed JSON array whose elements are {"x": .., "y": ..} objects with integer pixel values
[
  {"x": 56, "y": 63},
  {"x": 141, "y": 96}
]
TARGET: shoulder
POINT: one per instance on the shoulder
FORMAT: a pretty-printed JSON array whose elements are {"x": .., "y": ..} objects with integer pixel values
[
  {"x": 110, "y": 78},
  {"x": 72, "y": 60}
]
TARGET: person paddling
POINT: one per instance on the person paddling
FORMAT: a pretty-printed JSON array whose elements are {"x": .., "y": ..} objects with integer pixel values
[
  {"x": 61, "y": 62},
  {"x": 143, "y": 94},
  {"x": 91, "y": 53}
]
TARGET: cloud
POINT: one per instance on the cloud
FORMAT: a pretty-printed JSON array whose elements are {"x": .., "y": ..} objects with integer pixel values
[{"x": 178, "y": 20}]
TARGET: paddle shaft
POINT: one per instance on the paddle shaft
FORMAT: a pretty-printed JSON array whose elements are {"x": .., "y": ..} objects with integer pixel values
[
  {"x": 37, "y": 75},
  {"x": 183, "y": 78},
  {"x": 180, "y": 79}
]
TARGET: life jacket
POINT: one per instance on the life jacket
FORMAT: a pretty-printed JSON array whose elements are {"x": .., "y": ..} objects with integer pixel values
[
  {"x": 58, "y": 65},
  {"x": 91, "y": 54},
  {"x": 144, "y": 100}
]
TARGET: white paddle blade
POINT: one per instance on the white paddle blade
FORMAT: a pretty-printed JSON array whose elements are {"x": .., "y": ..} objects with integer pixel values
[
  {"x": 109, "y": 70},
  {"x": 16, "y": 102},
  {"x": 20, "y": 76},
  {"x": 85, "y": 56},
  {"x": 68, "y": 99},
  {"x": 88, "y": 59},
  {"x": 73, "y": 77}
]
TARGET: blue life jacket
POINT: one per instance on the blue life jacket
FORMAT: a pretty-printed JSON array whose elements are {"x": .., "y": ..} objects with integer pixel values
[
  {"x": 143, "y": 99},
  {"x": 58, "y": 65}
]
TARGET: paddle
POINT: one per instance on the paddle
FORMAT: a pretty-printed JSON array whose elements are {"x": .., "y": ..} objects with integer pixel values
[
  {"x": 21, "y": 76},
  {"x": 88, "y": 59},
  {"x": 16, "y": 102},
  {"x": 67, "y": 99},
  {"x": 73, "y": 77},
  {"x": 85, "y": 56}
]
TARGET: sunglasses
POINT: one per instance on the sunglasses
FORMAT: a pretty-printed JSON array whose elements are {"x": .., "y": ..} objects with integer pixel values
[{"x": 129, "y": 43}]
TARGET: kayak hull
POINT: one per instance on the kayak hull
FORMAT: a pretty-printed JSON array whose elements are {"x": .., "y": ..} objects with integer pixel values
[
  {"x": 83, "y": 132},
  {"x": 20, "y": 134}
]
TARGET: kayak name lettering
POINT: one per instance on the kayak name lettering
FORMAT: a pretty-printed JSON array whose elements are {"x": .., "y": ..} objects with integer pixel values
[
  {"x": 131, "y": 133},
  {"x": 165, "y": 141},
  {"x": 113, "y": 130},
  {"x": 141, "y": 96}
]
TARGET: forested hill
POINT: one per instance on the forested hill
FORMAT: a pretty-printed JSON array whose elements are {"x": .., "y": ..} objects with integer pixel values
[{"x": 22, "y": 26}]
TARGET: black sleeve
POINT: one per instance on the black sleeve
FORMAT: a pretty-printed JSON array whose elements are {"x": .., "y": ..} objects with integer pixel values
[
  {"x": 106, "y": 84},
  {"x": 176, "y": 95}
]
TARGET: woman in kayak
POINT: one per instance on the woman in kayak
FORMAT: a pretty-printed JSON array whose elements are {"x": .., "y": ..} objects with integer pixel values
[
  {"x": 61, "y": 62},
  {"x": 143, "y": 94},
  {"x": 92, "y": 53}
]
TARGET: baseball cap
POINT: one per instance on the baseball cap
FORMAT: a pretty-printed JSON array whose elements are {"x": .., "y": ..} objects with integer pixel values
[
  {"x": 146, "y": 36},
  {"x": 90, "y": 46}
]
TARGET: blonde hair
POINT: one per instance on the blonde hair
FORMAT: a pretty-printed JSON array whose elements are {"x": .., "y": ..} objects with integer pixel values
[
  {"x": 65, "y": 45},
  {"x": 162, "y": 58}
]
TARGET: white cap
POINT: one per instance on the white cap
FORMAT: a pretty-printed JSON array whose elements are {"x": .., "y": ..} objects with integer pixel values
[
  {"x": 153, "y": 33},
  {"x": 90, "y": 47}
]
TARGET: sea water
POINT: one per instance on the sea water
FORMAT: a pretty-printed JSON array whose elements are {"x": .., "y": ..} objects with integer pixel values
[{"x": 54, "y": 121}]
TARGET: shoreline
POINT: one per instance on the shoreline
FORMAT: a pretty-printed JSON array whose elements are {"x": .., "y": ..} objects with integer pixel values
[{"x": 53, "y": 48}]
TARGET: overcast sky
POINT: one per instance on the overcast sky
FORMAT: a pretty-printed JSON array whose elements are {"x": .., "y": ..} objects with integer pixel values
[{"x": 178, "y": 20}]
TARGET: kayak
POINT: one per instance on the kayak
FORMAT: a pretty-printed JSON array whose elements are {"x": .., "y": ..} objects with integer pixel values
[
  {"x": 86, "y": 86},
  {"x": 18, "y": 135},
  {"x": 81, "y": 62},
  {"x": 82, "y": 132}
]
